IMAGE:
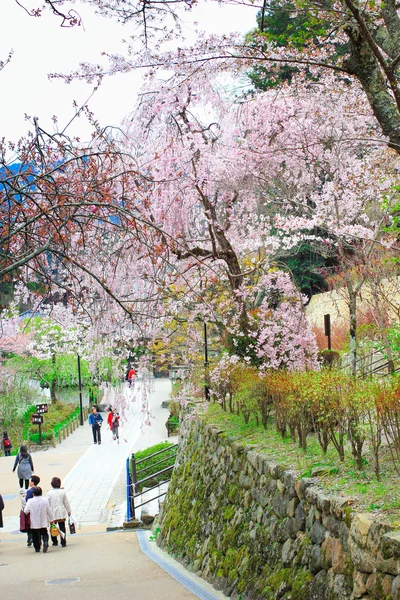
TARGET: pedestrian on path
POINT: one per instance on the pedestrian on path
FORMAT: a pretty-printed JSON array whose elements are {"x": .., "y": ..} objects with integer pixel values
[
  {"x": 60, "y": 508},
  {"x": 131, "y": 376},
  {"x": 6, "y": 444},
  {"x": 113, "y": 422},
  {"x": 40, "y": 512},
  {"x": 1, "y": 510},
  {"x": 34, "y": 482},
  {"x": 25, "y": 470},
  {"x": 95, "y": 421}
]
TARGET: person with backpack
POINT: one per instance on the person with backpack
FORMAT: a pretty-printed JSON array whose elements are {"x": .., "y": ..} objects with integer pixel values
[
  {"x": 6, "y": 444},
  {"x": 25, "y": 470}
]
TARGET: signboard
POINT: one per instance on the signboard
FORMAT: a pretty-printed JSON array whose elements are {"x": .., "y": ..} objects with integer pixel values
[
  {"x": 41, "y": 409},
  {"x": 36, "y": 419}
]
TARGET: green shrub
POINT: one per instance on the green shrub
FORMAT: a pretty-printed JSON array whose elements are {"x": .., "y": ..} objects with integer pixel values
[
  {"x": 58, "y": 416},
  {"x": 152, "y": 465}
]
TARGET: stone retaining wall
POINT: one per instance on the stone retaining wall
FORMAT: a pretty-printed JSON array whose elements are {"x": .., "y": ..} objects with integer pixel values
[{"x": 256, "y": 531}]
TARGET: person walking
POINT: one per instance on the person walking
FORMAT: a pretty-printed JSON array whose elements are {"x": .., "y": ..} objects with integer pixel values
[
  {"x": 110, "y": 418},
  {"x": 131, "y": 376},
  {"x": 34, "y": 482},
  {"x": 6, "y": 444},
  {"x": 1, "y": 510},
  {"x": 113, "y": 422},
  {"x": 41, "y": 515},
  {"x": 60, "y": 508},
  {"x": 25, "y": 470},
  {"x": 95, "y": 421}
]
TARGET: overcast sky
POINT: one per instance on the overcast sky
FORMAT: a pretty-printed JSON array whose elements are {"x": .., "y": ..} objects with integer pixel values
[{"x": 41, "y": 46}]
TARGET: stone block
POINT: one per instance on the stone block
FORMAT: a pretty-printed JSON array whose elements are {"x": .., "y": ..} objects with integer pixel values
[
  {"x": 318, "y": 588},
  {"x": 326, "y": 548},
  {"x": 331, "y": 524},
  {"x": 301, "y": 485},
  {"x": 359, "y": 584},
  {"x": 390, "y": 545},
  {"x": 396, "y": 588},
  {"x": 274, "y": 470},
  {"x": 291, "y": 528},
  {"x": 300, "y": 517},
  {"x": 379, "y": 585},
  {"x": 359, "y": 530},
  {"x": 288, "y": 552},
  {"x": 245, "y": 481},
  {"x": 289, "y": 479},
  {"x": 315, "y": 559},
  {"x": 312, "y": 495},
  {"x": 361, "y": 558},
  {"x": 310, "y": 516},
  {"x": 341, "y": 590},
  {"x": 344, "y": 535},
  {"x": 376, "y": 536},
  {"x": 388, "y": 565},
  {"x": 252, "y": 457},
  {"x": 281, "y": 486},
  {"x": 272, "y": 487},
  {"x": 323, "y": 504},
  {"x": 132, "y": 524},
  {"x": 339, "y": 557},
  {"x": 279, "y": 505},
  {"x": 318, "y": 533},
  {"x": 147, "y": 519},
  {"x": 247, "y": 499},
  {"x": 292, "y": 505}
]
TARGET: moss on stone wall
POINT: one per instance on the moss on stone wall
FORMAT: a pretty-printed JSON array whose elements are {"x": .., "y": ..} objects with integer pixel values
[{"x": 260, "y": 532}]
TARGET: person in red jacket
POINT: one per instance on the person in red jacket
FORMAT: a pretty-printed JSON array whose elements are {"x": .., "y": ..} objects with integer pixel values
[
  {"x": 113, "y": 422},
  {"x": 131, "y": 376}
]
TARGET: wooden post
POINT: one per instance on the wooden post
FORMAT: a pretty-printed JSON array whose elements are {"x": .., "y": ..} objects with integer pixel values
[{"x": 327, "y": 325}]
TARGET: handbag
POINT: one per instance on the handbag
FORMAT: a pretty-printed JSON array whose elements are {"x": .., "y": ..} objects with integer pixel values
[
  {"x": 24, "y": 522},
  {"x": 53, "y": 530},
  {"x": 71, "y": 525}
]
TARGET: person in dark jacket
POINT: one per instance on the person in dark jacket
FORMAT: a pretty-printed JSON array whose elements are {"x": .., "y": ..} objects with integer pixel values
[
  {"x": 1, "y": 510},
  {"x": 6, "y": 444},
  {"x": 34, "y": 482},
  {"x": 95, "y": 421},
  {"x": 24, "y": 462}
]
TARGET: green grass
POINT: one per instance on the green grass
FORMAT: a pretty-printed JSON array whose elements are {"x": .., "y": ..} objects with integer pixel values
[
  {"x": 54, "y": 420},
  {"x": 381, "y": 498},
  {"x": 149, "y": 467}
]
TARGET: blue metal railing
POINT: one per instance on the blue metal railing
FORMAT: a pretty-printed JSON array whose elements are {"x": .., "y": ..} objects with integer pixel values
[
  {"x": 133, "y": 485},
  {"x": 128, "y": 491}
]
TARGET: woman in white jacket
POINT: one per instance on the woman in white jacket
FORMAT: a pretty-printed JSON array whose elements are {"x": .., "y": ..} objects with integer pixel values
[
  {"x": 60, "y": 508},
  {"x": 41, "y": 515}
]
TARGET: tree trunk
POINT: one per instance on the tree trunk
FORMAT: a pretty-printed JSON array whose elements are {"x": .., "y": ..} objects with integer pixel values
[
  {"x": 353, "y": 331},
  {"x": 53, "y": 379}
]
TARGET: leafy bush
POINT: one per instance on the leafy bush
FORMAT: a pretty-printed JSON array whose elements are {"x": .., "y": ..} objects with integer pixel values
[
  {"x": 63, "y": 372},
  {"x": 58, "y": 416},
  {"x": 336, "y": 408}
]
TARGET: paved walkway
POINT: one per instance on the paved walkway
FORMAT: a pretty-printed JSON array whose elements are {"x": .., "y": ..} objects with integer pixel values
[
  {"x": 96, "y": 564},
  {"x": 93, "y": 475}
]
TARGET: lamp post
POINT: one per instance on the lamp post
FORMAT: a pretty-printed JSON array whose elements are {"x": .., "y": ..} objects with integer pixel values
[
  {"x": 80, "y": 390},
  {"x": 206, "y": 388},
  {"x": 327, "y": 327}
]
